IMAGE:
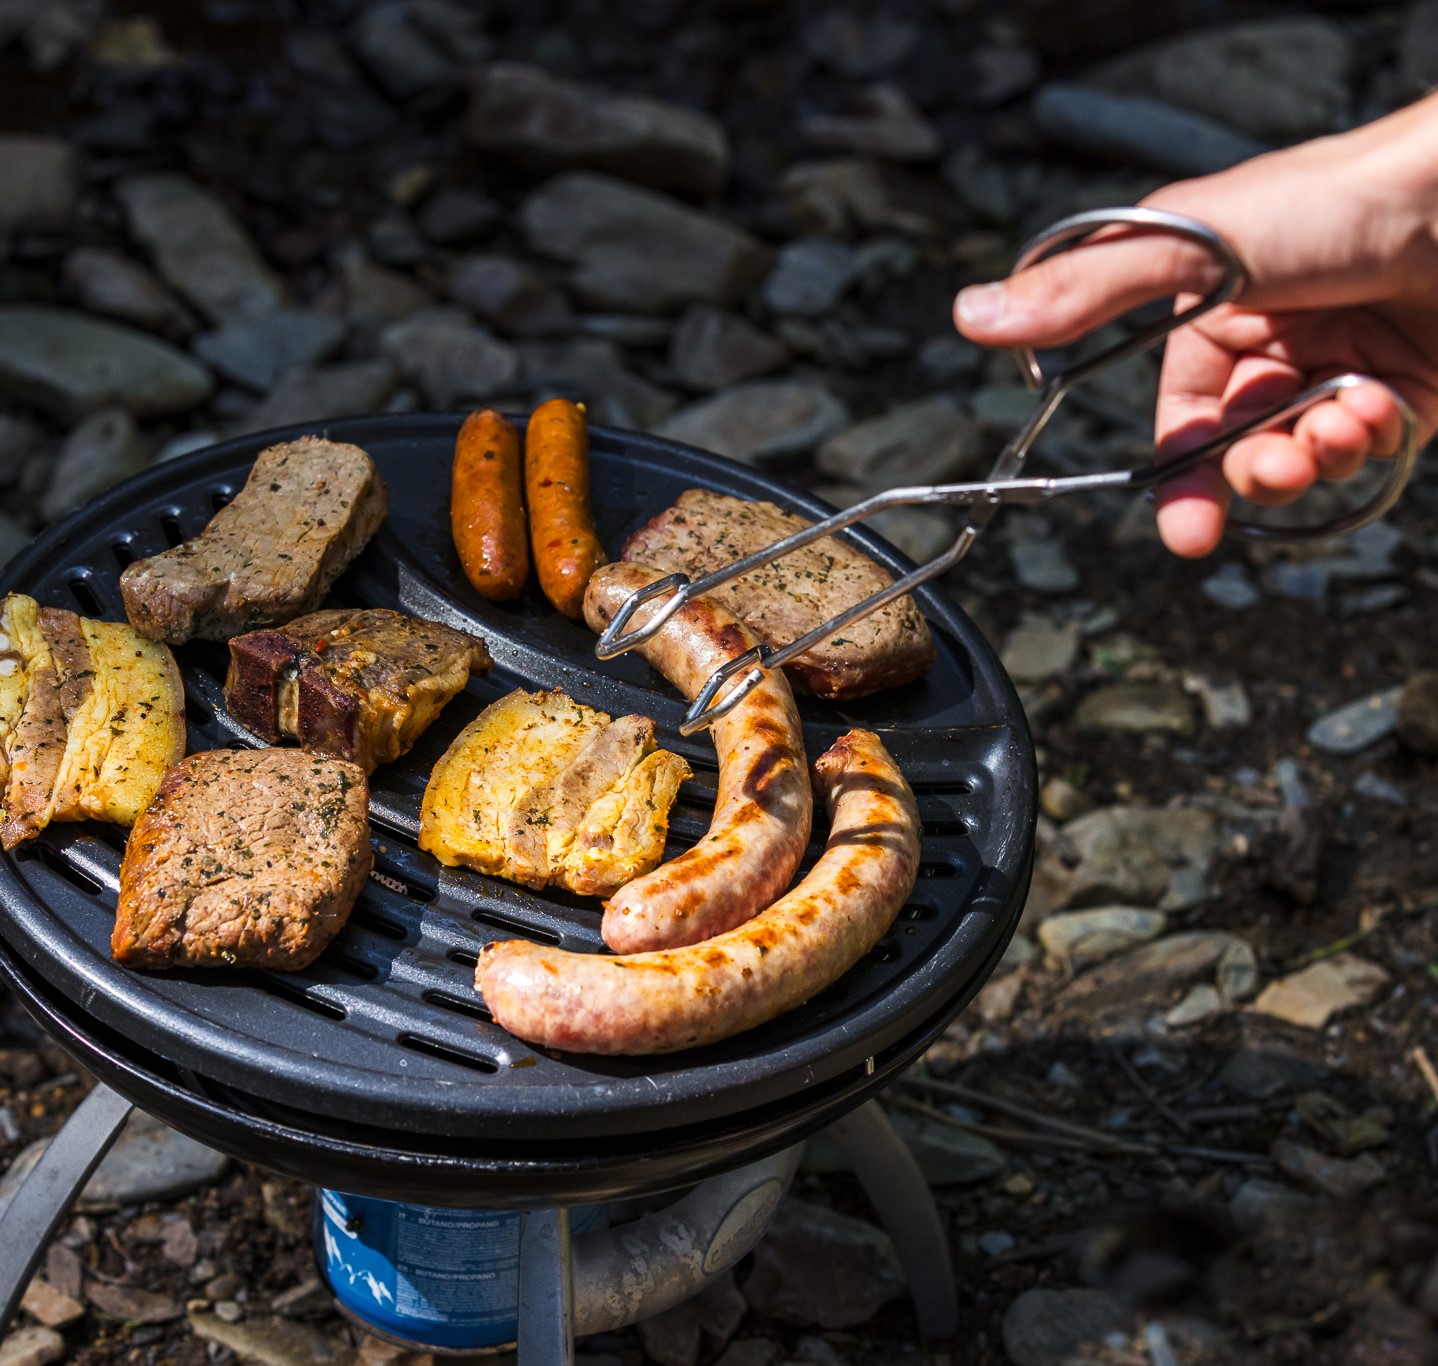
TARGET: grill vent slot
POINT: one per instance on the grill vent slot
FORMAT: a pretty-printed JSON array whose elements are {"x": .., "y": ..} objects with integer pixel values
[
  {"x": 58, "y": 864},
  {"x": 84, "y": 595},
  {"x": 174, "y": 533},
  {"x": 497, "y": 921},
  {"x": 933, "y": 870},
  {"x": 417, "y": 1043},
  {"x": 380, "y": 924},
  {"x": 287, "y": 991},
  {"x": 474, "y": 1009},
  {"x": 124, "y": 556}
]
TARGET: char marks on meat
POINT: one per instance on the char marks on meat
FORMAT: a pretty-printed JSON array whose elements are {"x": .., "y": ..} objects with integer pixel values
[
  {"x": 360, "y": 685},
  {"x": 307, "y": 509},
  {"x": 780, "y": 602},
  {"x": 246, "y": 858}
]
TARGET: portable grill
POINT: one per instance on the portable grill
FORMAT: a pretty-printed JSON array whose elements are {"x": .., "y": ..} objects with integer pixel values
[{"x": 377, "y": 1071}]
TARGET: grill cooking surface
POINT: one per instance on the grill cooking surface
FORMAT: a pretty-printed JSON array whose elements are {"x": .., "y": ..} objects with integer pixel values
[{"x": 385, "y": 1030}]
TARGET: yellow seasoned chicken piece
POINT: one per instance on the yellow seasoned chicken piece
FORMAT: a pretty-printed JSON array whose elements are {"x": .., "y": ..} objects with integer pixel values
[
  {"x": 91, "y": 716},
  {"x": 544, "y": 791}
]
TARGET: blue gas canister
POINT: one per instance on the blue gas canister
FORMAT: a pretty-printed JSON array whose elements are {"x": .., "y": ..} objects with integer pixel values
[{"x": 426, "y": 1275}]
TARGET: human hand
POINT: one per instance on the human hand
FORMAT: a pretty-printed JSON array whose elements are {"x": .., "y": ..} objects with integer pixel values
[{"x": 1339, "y": 240}]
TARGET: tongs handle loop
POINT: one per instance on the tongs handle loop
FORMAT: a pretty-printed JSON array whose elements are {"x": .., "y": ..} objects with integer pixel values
[{"x": 1069, "y": 232}]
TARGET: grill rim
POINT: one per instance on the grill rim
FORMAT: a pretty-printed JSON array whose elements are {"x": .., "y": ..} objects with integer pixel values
[{"x": 516, "y": 1108}]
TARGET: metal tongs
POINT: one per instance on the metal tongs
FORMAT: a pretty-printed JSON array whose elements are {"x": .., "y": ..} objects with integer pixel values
[{"x": 1002, "y": 486}]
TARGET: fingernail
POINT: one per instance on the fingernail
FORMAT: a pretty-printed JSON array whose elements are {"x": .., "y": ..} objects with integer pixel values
[{"x": 981, "y": 305}]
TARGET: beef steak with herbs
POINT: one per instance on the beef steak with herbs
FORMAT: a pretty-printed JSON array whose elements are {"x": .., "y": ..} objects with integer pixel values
[
  {"x": 780, "y": 602},
  {"x": 246, "y": 858}
]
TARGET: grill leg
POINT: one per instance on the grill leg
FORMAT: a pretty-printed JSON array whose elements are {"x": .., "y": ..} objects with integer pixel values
[
  {"x": 546, "y": 1290},
  {"x": 901, "y": 1197},
  {"x": 50, "y": 1189}
]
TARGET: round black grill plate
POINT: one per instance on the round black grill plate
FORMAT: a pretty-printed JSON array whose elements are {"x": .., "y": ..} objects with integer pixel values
[{"x": 385, "y": 1031}]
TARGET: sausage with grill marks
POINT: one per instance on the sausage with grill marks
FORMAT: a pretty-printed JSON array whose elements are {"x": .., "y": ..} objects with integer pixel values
[
  {"x": 765, "y": 805},
  {"x": 681, "y": 998}
]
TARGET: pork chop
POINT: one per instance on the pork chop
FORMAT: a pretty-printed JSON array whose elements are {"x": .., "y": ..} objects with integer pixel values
[
  {"x": 307, "y": 509},
  {"x": 780, "y": 602}
]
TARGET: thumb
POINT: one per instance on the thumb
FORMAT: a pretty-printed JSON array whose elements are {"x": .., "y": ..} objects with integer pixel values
[{"x": 1066, "y": 296}]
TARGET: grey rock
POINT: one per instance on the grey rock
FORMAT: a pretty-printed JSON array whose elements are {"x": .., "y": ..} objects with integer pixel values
[
  {"x": 859, "y": 46},
  {"x": 945, "y": 360},
  {"x": 31, "y": 1346},
  {"x": 996, "y": 75},
  {"x": 1042, "y": 565},
  {"x": 1005, "y": 407},
  {"x": 673, "y": 1337},
  {"x": 1341, "y": 1178},
  {"x": 275, "y": 1341},
  {"x": 71, "y": 364},
  {"x": 1369, "y": 601},
  {"x": 1142, "y": 130},
  {"x": 1280, "y": 79},
  {"x": 1201, "y": 1003},
  {"x": 455, "y": 217},
  {"x": 810, "y": 276},
  {"x": 626, "y": 329},
  {"x": 182, "y": 444},
  {"x": 759, "y": 420},
  {"x": 1038, "y": 649},
  {"x": 20, "y": 439},
  {"x": 198, "y": 246},
  {"x": 1369, "y": 784},
  {"x": 1045, "y": 1327},
  {"x": 395, "y": 241},
  {"x": 514, "y": 297},
  {"x": 1416, "y": 720},
  {"x": 346, "y": 389},
  {"x": 1356, "y": 725},
  {"x": 104, "y": 449},
  {"x": 1060, "y": 800},
  {"x": 544, "y": 122},
  {"x": 404, "y": 59},
  {"x": 635, "y": 249},
  {"x": 721, "y": 1308},
  {"x": 13, "y": 538},
  {"x": 995, "y": 1242},
  {"x": 924, "y": 442},
  {"x": 815, "y": 1266},
  {"x": 921, "y": 533},
  {"x": 1229, "y": 586},
  {"x": 992, "y": 191},
  {"x": 1126, "y": 853},
  {"x": 40, "y": 184},
  {"x": 1259, "y": 1202},
  {"x": 1418, "y": 48},
  {"x": 1224, "y": 700},
  {"x": 258, "y": 354},
  {"x": 451, "y": 360},
  {"x": 102, "y": 281},
  {"x": 1302, "y": 580},
  {"x": 1138, "y": 707},
  {"x": 750, "y": 1352},
  {"x": 1237, "y": 974},
  {"x": 375, "y": 294},
  {"x": 1311, "y": 996},
  {"x": 1259, "y": 1073},
  {"x": 713, "y": 348},
  {"x": 885, "y": 124},
  {"x": 592, "y": 371},
  {"x": 847, "y": 194},
  {"x": 1080, "y": 937}
]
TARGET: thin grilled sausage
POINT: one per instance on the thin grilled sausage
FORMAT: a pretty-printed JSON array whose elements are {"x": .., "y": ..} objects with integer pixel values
[
  {"x": 765, "y": 805},
  {"x": 485, "y": 509},
  {"x": 556, "y": 487},
  {"x": 681, "y": 998}
]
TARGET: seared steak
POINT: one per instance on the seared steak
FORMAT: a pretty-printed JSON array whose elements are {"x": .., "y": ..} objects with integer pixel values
[
  {"x": 780, "y": 602},
  {"x": 246, "y": 858},
  {"x": 307, "y": 509},
  {"x": 361, "y": 685}
]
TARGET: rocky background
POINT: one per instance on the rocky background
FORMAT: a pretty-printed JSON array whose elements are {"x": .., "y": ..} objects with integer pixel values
[{"x": 1193, "y": 1118}]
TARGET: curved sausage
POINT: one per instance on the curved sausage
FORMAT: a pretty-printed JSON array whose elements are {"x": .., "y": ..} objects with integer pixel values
[
  {"x": 765, "y": 805},
  {"x": 485, "y": 511},
  {"x": 681, "y": 998},
  {"x": 556, "y": 487}
]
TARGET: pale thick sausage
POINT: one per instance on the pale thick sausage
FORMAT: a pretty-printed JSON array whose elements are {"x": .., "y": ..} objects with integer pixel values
[
  {"x": 681, "y": 998},
  {"x": 765, "y": 805}
]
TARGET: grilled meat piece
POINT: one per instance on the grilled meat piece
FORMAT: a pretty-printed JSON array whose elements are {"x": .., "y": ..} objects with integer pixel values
[
  {"x": 361, "y": 685},
  {"x": 780, "y": 602},
  {"x": 246, "y": 858},
  {"x": 543, "y": 791},
  {"x": 91, "y": 716},
  {"x": 307, "y": 509}
]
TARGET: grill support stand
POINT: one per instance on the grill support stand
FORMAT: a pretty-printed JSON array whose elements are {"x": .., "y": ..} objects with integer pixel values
[
  {"x": 50, "y": 1188},
  {"x": 604, "y": 1280}
]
